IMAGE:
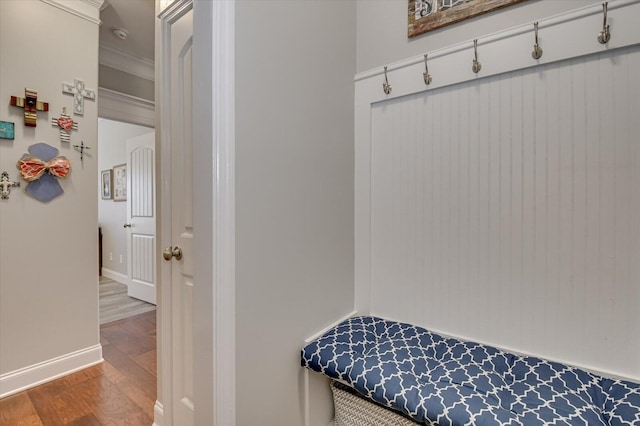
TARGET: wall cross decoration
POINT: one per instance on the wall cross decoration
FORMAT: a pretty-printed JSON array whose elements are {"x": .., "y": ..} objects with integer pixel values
[
  {"x": 82, "y": 148},
  {"x": 31, "y": 106},
  {"x": 66, "y": 125},
  {"x": 5, "y": 186},
  {"x": 79, "y": 93},
  {"x": 42, "y": 168}
]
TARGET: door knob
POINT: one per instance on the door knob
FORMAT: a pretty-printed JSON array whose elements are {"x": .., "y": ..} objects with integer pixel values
[
  {"x": 127, "y": 225},
  {"x": 169, "y": 252}
]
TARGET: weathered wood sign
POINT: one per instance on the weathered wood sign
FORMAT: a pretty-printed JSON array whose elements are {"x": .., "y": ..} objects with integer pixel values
[{"x": 428, "y": 15}]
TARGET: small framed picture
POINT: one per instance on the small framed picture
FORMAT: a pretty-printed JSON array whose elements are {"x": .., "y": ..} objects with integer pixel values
[
  {"x": 107, "y": 183},
  {"x": 120, "y": 182},
  {"x": 6, "y": 130}
]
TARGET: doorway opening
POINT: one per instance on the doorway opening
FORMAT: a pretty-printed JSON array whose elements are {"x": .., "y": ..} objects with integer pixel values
[{"x": 123, "y": 264}]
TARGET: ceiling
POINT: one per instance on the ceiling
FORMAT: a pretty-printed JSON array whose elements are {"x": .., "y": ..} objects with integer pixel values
[{"x": 137, "y": 17}]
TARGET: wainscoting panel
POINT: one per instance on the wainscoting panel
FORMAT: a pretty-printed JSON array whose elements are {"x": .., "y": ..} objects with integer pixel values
[
  {"x": 143, "y": 252},
  {"x": 505, "y": 211},
  {"x": 142, "y": 202}
]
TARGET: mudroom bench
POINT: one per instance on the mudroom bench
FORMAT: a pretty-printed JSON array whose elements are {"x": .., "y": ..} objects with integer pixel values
[{"x": 392, "y": 373}]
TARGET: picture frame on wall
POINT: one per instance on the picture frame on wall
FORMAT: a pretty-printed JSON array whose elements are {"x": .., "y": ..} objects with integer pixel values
[
  {"x": 106, "y": 179},
  {"x": 120, "y": 182},
  {"x": 428, "y": 15}
]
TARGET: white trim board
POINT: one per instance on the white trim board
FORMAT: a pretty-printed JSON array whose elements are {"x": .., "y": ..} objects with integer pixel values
[
  {"x": 158, "y": 414},
  {"x": 317, "y": 334},
  {"x": 46, "y": 371},
  {"x": 307, "y": 373},
  {"x": 214, "y": 210},
  {"x": 564, "y": 36},
  {"x": 115, "y": 276},
  {"x": 86, "y": 9},
  {"x": 126, "y": 108},
  {"x": 122, "y": 61}
]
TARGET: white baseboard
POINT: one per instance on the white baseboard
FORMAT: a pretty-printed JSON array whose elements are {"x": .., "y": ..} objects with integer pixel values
[
  {"x": 158, "y": 414},
  {"x": 116, "y": 276},
  {"x": 43, "y": 372}
]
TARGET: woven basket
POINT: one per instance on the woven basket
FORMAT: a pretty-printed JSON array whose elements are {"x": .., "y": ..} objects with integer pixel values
[{"x": 353, "y": 410}]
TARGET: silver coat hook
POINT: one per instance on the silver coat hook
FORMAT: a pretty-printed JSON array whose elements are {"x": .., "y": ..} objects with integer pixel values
[
  {"x": 537, "y": 50},
  {"x": 476, "y": 65},
  {"x": 386, "y": 86},
  {"x": 605, "y": 35},
  {"x": 425, "y": 74}
]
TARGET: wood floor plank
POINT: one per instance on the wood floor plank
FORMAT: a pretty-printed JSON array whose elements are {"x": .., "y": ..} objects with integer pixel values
[
  {"x": 18, "y": 407},
  {"x": 121, "y": 391},
  {"x": 88, "y": 420},
  {"x": 115, "y": 303},
  {"x": 113, "y": 374},
  {"x": 148, "y": 361},
  {"x": 108, "y": 403},
  {"x": 137, "y": 395},
  {"x": 69, "y": 407},
  {"x": 131, "y": 369}
]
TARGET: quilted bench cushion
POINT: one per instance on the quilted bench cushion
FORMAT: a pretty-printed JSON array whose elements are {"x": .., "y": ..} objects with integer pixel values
[{"x": 445, "y": 381}]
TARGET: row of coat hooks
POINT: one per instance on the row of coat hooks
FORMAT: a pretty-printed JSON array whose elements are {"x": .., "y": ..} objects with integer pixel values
[{"x": 603, "y": 38}]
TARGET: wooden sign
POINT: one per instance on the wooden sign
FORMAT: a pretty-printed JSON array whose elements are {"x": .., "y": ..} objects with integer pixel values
[
  {"x": 6, "y": 130},
  {"x": 428, "y": 15}
]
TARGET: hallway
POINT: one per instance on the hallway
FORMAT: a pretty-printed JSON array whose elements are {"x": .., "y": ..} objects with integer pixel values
[{"x": 120, "y": 391}]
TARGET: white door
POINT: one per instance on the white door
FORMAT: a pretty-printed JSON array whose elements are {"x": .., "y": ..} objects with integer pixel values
[
  {"x": 141, "y": 217},
  {"x": 177, "y": 211}
]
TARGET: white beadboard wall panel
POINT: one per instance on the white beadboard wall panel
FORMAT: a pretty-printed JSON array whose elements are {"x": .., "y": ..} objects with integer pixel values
[
  {"x": 142, "y": 203},
  {"x": 143, "y": 254},
  {"x": 504, "y": 210}
]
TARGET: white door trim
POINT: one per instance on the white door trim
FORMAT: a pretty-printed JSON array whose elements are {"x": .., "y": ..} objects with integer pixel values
[
  {"x": 163, "y": 225},
  {"x": 214, "y": 241},
  {"x": 214, "y": 184}
]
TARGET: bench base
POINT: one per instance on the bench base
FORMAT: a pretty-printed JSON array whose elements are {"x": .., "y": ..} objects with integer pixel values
[{"x": 354, "y": 410}]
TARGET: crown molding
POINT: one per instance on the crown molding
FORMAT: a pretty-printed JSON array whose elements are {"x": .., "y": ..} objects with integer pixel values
[
  {"x": 105, "y": 3},
  {"x": 114, "y": 58},
  {"x": 123, "y": 107},
  {"x": 85, "y": 9},
  {"x": 98, "y": 4}
]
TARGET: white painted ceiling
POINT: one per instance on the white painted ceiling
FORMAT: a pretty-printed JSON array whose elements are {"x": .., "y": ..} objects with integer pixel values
[{"x": 135, "y": 16}]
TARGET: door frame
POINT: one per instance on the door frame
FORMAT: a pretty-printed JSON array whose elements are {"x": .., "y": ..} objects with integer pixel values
[{"x": 214, "y": 185}]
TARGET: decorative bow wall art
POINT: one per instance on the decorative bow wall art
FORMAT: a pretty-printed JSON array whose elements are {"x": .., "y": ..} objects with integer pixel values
[{"x": 42, "y": 167}]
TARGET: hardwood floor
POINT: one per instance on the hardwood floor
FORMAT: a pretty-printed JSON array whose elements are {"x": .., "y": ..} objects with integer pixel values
[
  {"x": 120, "y": 391},
  {"x": 115, "y": 304}
]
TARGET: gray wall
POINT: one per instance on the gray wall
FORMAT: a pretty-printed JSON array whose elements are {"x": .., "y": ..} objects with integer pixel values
[
  {"x": 295, "y": 63},
  {"x": 120, "y": 81},
  {"x": 382, "y": 28},
  {"x": 48, "y": 251}
]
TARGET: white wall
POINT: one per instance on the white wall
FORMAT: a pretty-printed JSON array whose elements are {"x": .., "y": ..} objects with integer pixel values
[
  {"x": 48, "y": 251},
  {"x": 295, "y": 63},
  {"x": 112, "y": 215},
  {"x": 382, "y": 28}
]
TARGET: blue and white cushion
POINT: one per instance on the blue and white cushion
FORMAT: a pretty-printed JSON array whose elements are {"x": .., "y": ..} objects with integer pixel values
[{"x": 444, "y": 381}]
